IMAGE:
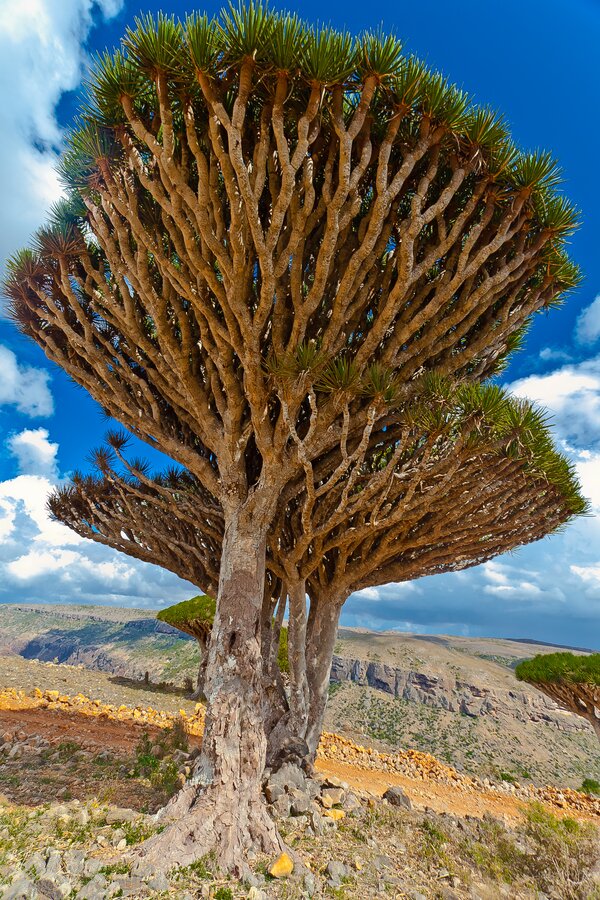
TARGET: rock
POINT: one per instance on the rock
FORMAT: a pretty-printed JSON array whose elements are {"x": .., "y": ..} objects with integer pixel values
[
  {"x": 92, "y": 865},
  {"x": 289, "y": 777},
  {"x": 117, "y": 814},
  {"x": 35, "y": 863},
  {"x": 256, "y": 894},
  {"x": 132, "y": 886},
  {"x": 332, "y": 797},
  {"x": 53, "y": 891},
  {"x": 381, "y": 863},
  {"x": 351, "y": 803},
  {"x": 159, "y": 882},
  {"x": 53, "y": 864},
  {"x": 300, "y": 803},
  {"x": 94, "y": 890},
  {"x": 310, "y": 884},
  {"x": 19, "y": 890},
  {"x": 397, "y": 797},
  {"x": 332, "y": 781},
  {"x": 81, "y": 817},
  {"x": 336, "y": 871},
  {"x": 282, "y": 866},
  {"x": 282, "y": 806},
  {"x": 334, "y": 814},
  {"x": 142, "y": 868},
  {"x": 74, "y": 861},
  {"x": 273, "y": 792}
]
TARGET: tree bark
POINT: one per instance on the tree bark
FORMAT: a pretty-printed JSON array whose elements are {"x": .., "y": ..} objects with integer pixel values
[
  {"x": 221, "y": 808},
  {"x": 295, "y": 734},
  {"x": 199, "y": 693},
  {"x": 322, "y": 633}
]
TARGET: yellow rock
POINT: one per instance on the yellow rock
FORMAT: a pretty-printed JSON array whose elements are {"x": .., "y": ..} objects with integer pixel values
[
  {"x": 282, "y": 867},
  {"x": 37, "y": 692},
  {"x": 335, "y": 814},
  {"x": 52, "y": 695}
]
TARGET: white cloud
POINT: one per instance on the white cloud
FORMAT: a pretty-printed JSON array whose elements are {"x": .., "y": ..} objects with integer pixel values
[
  {"x": 44, "y": 560},
  {"x": 41, "y": 57},
  {"x": 36, "y": 562},
  {"x": 553, "y": 354},
  {"x": 591, "y": 574},
  {"x": 587, "y": 329},
  {"x": 24, "y": 387},
  {"x": 572, "y": 395},
  {"x": 35, "y": 453}
]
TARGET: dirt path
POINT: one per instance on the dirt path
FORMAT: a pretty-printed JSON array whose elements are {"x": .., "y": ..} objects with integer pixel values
[{"x": 438, "y": 797}]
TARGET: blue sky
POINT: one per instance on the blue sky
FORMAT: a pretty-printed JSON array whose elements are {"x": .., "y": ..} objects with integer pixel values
[{"x": 537, "y": 63}]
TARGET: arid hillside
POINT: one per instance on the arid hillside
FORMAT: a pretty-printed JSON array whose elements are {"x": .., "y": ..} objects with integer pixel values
[{"x": 454, "y": 697}]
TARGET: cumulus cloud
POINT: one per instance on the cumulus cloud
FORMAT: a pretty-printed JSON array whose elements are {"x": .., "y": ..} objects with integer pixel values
[
  {"x": 572, "y": 395},
  {"x": 41, "y": 57},
  {"x": 35, "y": 453},
  {"x": 24, "y": 387},
  {"x": 587, "y": 329},
  {"x": 43, "y": 560}
]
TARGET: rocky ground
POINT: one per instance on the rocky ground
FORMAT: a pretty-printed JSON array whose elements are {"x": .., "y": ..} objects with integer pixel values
[{"x": 81, "y": 777}]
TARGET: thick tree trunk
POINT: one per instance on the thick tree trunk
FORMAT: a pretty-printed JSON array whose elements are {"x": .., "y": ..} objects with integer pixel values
[
  {"x": 322, "y": 633},
  {"x": 221, "y": 808}
]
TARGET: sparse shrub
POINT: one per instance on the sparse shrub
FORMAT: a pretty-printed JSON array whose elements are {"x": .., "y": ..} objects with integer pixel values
[
  {"x": 136, "y": 832},
  {"x": 565, "y": 854},
  {"x": 506, "y": 776},
  {"x": 145, "y": 761},
  {"x": 177, "y": 737},
  {"x": 165, "y": 779},
  {"x": 590, "y": 786},
  {"x": 224, "y": 893}
]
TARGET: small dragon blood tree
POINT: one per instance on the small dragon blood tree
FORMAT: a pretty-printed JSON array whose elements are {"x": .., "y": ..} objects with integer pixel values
[
  {"x": 194, "y": 617},
  {"x": 571, "y": 681},
  {"x": 272, "y": 233}
]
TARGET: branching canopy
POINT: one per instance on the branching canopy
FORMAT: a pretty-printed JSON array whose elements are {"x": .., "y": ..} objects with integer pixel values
[
  {"x": 271, "y": 231},
  {"x": 471, "y": 474}
]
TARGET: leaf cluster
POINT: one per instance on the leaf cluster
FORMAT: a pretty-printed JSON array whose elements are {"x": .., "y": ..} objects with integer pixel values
[{"x": 560, "y": 667}]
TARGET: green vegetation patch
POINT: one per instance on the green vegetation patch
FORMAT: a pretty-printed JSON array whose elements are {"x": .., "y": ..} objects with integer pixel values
[
  {"x": 201, "y": 608},
  {"x": 556, "y": 667}
]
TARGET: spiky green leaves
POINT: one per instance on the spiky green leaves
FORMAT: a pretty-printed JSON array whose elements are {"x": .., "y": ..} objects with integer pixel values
[
  {"x": 327, "y": 56},
  {"x": 486, "y": 416},
  {"x": 565, "y": 668},
  {"x": 156, "y": 45},
  {"x": 380, "y": 54}
]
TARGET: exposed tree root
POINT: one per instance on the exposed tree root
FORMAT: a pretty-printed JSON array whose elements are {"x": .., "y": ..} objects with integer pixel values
[{"x": 202, "y": 821}]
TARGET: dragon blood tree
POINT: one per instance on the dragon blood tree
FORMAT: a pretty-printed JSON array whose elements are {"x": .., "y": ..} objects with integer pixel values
[
  {"x": 194, "y": 617},
  {"x": 571, "y": 681},
  {"x": 477, "y": 476},
  {"x": 271, "y": 232}
]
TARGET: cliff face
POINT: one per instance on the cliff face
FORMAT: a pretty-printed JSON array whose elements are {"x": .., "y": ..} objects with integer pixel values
[{"x": 453, "y": 695}]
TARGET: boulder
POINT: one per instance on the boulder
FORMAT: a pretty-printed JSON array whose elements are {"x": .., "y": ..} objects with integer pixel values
[{"x": 397, "y": 797}]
